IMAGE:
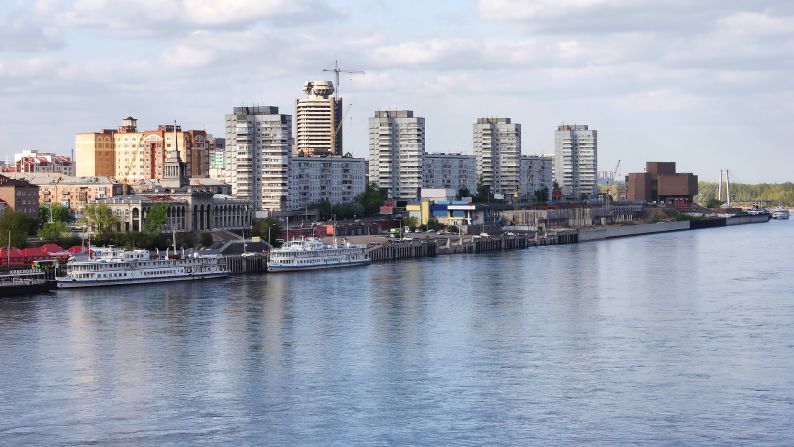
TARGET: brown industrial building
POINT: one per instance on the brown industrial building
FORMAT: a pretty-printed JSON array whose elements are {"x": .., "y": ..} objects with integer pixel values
[{"x": 662, "y": 184}]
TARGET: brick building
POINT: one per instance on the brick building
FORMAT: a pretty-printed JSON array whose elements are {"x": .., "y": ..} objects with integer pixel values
[
  {"x": 20, "y": 196},
  {"x": 662, "y": 184}
]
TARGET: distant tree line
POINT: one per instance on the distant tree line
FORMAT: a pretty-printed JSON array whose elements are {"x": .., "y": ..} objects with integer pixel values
[{"x": 777, "y": 193}]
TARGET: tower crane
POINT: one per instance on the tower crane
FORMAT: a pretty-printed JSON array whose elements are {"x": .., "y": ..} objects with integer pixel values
[
  {"x": 336, "y": 70},
  {"x": 612, "y": 182}
]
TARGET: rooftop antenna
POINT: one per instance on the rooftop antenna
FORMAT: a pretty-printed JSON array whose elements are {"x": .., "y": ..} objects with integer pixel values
[{"x": 338, "y": 70}]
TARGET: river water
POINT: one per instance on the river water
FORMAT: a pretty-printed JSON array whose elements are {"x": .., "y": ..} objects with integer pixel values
[{"x": 675, "y": 339}]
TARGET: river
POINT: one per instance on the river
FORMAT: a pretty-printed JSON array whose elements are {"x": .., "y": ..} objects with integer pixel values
[{"x": 681, "y": 338}]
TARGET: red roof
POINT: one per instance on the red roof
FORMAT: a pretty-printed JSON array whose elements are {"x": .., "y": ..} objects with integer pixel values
[
  {"x": 51, "y": 248},
  {"x": 33, "y": 252},
  {"x": 76, "y": 249},
  {"x": 15, "y": 253}
]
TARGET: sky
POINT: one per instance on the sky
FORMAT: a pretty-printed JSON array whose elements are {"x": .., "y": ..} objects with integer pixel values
[{"x": 705, "y": 83}]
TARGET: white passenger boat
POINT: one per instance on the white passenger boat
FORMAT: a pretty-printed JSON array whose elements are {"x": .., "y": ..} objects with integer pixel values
[
  {"x": 780, "y": 212},
  {"x": 112, "y": 266},
  {"x": 312, "y": 254}
]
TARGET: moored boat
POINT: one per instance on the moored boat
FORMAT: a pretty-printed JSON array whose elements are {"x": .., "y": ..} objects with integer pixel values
[
  {"x": 112, "y": 266},
  {"x": 781, "y": 212},
  {"x": 24, "y": 282},
  {"x": 312, "y": 254}
]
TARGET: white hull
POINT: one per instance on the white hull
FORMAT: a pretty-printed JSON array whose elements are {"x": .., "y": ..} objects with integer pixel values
[
  {"x": 65, "y": 283},
  {"x": 312, "y": 254},
  {"x": 332, "y": 265}
]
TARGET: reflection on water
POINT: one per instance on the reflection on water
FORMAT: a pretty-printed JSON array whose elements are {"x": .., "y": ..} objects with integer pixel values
[{"x": 682, "y": 338}]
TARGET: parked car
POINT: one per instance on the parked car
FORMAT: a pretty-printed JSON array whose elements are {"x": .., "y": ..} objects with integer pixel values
[{"x": 484, "y": 235}]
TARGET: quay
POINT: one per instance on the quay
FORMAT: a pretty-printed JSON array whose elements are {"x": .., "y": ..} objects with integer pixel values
[{"x": 383, "y": 249}]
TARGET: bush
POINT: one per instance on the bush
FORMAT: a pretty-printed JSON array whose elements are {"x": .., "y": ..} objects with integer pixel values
[{"x": 206, "y": 239}]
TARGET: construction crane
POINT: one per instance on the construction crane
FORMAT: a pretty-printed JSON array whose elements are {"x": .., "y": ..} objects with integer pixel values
[
  {"x": 339, "y": 126},
  {"x": 612, "y": 182},
  {"x": 336, "y": 70}
]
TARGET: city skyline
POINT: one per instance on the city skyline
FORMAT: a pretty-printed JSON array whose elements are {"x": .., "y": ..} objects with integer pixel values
[{"x": 702, "y": 85}]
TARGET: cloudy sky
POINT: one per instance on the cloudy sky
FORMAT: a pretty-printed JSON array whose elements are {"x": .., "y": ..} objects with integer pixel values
[{"x": 706, "y": 83}]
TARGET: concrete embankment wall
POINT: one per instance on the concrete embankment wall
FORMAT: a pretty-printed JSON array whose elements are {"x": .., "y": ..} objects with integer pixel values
[
  {"x": 395, "y": 251},
  {"x": 741, "y": 220},
  {"x": 596, "y": 234},
  {"x": 246, "y": 264}
]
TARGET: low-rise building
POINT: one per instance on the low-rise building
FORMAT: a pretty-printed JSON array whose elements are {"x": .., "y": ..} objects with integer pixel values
[
  {"x": 189, "y": 209},
  {"x": 661, "y": 183},
  {"x": 73, "y": 192},
  {"x": 20, "y": 196},
  {"x": 33, "y": 161}
]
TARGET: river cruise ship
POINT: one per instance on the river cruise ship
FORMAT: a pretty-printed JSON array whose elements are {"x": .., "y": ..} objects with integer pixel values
[
  {"x": 780, "y": 212},
  {"x": 312, "y": 254},
  {"x": 113, "y": 267}
]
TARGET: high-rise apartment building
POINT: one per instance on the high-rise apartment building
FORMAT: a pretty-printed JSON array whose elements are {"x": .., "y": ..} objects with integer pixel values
[
  {"x": 131, "y": 155},
  {"x": 396, "y": 152},
  {"x": 318, "y": 120},
  {"x": 497, "y": 149},
  {"x": 257, "y": 156},
  {"x": 335, "y": 179},
  {"x": 450, "y": 171},
  {"x": 576, "y": 160},
  {"x": 217, "y": 148},
  {"x": 536, "y": 174}
]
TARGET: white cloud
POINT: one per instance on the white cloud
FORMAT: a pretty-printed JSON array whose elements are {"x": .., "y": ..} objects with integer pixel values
[{"x": 156, "y": 17}]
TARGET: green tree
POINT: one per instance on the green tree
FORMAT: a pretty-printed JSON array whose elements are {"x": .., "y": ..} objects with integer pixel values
[
  {"x": 268, "y": 229},
  {"x": 542, "y": 195},
  {"x": 18, "y": 224},
  {"x": 55, "y": 213},
  {"x": 433, "y": 224},
  {"x": 53, "y": 231},
  {"x": 206, "y": 239},
  {"x": 156, "y": 219},
  {"x": 411, "y": 222},
  {"x": 464, "y": 192},
  {"x": 483, "y": 191},
  {"x": 100, "y": 219},
  {"x": 713, "y": 202}
]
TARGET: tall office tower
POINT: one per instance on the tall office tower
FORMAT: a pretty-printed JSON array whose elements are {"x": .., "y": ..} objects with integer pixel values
[
  {"x": 576, "y": 160},
  {"x": 396, "y": 152},
  {"x": 497, "y": 148},
  {"x": 450, "y": 171},
  {"x": 318, "y": 120},
  {"x": 257, "y": 155}
]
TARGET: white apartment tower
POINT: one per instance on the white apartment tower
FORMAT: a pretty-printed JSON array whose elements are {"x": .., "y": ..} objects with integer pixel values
[
  {"x": 257, "y": 156},
  {"x": 396, "y": 152},
  {"x": 497, "y": 148},
  {"x": 318, "y": 120},
  {"x": 576, "y": 160}
]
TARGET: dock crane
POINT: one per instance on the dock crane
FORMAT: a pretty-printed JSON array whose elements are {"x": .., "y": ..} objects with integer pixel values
[{"x": 336, "y": 70}]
